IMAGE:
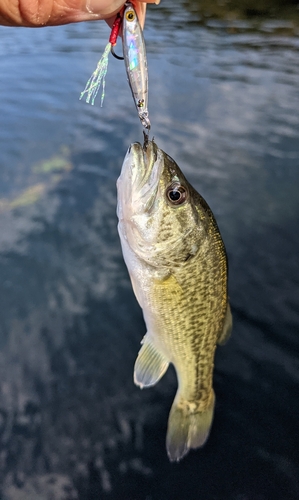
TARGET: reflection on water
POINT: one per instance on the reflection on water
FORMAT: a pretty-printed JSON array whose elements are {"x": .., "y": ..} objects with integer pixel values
[{"x": 224, "y": 103}]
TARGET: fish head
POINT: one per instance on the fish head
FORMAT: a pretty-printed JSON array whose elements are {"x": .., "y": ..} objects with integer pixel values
[{"x": 161, "y": 216}]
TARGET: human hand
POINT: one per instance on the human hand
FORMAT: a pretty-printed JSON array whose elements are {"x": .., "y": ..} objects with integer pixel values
[{"x": 37, "y": 13}]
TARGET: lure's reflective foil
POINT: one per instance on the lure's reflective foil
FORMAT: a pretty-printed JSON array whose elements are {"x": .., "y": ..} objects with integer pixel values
[
  {"x": 178, "y": 268},
  {"x": 136, "y": 63}
]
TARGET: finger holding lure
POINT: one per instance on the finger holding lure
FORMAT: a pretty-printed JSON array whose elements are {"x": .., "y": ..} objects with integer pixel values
[{"x": 135, "y": 61}]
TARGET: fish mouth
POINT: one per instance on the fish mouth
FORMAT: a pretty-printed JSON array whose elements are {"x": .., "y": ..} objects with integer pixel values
[
  {"x": 138, "y": 184},
  {"x": 143, "y": 168},
  {"x": 140, "y": 174},
  {"x": 143, "y": 160}
]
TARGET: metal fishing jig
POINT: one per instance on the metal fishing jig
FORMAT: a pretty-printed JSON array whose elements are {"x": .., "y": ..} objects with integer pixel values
[{"x": 136, "y": 62}]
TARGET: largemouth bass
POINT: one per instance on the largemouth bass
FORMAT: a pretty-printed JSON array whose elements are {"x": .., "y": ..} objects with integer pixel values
[{"x": 178, "y": 268}]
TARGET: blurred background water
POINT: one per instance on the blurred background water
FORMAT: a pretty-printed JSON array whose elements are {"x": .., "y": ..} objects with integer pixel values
[{"x": 224, "y": 102}]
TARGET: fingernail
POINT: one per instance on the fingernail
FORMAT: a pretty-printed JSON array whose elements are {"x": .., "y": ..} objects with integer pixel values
[
  {"x": 90, "y": 7},
  {"x": 157, "y": 2},
  {"x": 103, "y": 8}
]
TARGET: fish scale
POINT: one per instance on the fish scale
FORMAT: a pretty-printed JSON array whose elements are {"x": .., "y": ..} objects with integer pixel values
[{"x": 186, "y": 332}]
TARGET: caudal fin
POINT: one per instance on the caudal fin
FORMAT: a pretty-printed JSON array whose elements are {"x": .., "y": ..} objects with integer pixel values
[{"x": 187, "y": 428}]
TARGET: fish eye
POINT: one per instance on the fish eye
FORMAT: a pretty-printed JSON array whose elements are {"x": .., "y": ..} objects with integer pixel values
[
  {"x": 176, "y": 194},
  {"x": 130, "y": 15}
]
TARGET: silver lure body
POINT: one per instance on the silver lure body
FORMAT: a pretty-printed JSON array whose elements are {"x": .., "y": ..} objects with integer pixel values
[{"x": 136, "y": 62}]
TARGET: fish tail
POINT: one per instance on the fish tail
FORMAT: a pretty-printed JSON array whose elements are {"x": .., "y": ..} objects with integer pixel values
[{"x": 187, "y": 426}]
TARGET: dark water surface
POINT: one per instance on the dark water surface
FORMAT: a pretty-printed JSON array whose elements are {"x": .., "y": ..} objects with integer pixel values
[{"x": 224, "y": 102}]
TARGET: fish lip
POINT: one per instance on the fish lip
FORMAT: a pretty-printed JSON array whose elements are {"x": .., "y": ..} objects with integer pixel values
[
  {"x": 150, "y": 148},
  {"x": 144, "y": 159},
  {"x": 138, "y": 182},
  {"x": 148, "y": 190}
]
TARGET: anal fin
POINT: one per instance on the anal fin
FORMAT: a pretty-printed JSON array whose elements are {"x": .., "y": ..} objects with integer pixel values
[
  {"x": 150, "y": 365},
  {"x": 227, "y": 327}
]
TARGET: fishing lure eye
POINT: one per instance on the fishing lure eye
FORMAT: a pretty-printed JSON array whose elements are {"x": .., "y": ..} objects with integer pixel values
[
  {"x": 130, "y": 15},
  {"x": 176, "y": 194}
]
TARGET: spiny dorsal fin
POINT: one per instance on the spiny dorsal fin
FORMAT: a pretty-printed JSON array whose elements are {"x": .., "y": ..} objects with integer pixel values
[{"x": 150, "y": 365}]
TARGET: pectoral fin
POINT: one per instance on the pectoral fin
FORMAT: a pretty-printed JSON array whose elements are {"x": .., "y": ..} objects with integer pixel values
[
  {"x": 227, "y": 327},
  {"x": 150, "y": 365}
]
